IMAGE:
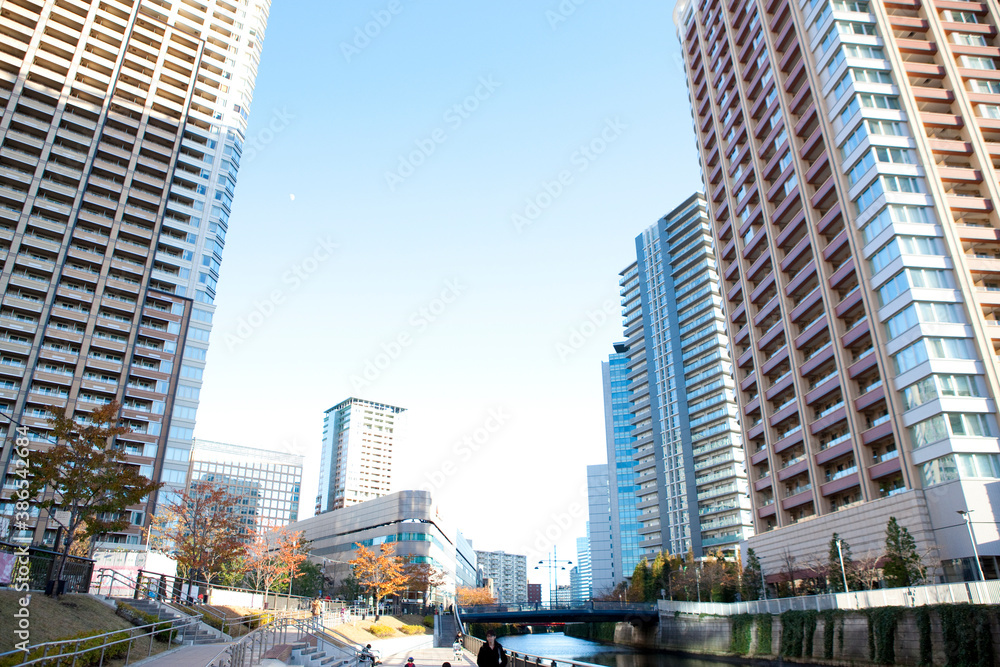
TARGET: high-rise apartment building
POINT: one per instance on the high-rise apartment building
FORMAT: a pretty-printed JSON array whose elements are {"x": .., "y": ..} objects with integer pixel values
[
  {"x": 690, "y": 477},
  {"x": 621, "y": 468},
  {"x": 120, "y": 139},
  {"x": 267, "y": 484},
  {"x": 356, "y": 461},
  {"x": 508, "y": 572},
  {"x": 600, "y": 529},
  {"x": 849, "y": 150}
]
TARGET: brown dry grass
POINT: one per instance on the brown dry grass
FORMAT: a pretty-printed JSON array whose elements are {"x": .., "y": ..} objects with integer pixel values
[{"x": 53, "y": 620}]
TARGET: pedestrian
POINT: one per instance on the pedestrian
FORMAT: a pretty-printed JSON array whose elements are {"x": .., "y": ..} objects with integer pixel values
[
  {"x": 491, "y": 654},
  {"x": 409, "y": 662},
  {"x": 457, "y": 647}
]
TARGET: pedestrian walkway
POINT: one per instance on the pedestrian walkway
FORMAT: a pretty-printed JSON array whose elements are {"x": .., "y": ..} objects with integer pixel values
[
  {"x": 431, "y": 657},
  {"x": 185, "y": 656}
]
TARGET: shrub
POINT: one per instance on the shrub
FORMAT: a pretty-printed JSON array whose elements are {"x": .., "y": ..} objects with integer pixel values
[
  {"x": 86, "y": 659},
  {"x": 741, "y": 627},
  {"x": 429, "y": 621},
  {"x": 412, "y": 629},
  {"x": 380, "y": 630},
  {"x": 882, "y": 634},
  {"x": 764, "y": 634},
  {"x": 136, "y": 617}
]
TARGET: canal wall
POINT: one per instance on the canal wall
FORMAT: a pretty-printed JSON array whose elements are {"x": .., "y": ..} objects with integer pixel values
[{"x": 938, "y": 635}]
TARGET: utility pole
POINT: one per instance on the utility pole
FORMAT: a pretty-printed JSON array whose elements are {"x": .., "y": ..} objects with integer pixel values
[{"x": 843, "y": 571}]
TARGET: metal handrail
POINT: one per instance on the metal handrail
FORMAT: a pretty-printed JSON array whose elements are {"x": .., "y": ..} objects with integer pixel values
[
  {"x": 250, "y": 649},
  {"x": 525, "y": 658},
  {"x": 195, "y": 582},
  {"x": 170, "y": 625}
]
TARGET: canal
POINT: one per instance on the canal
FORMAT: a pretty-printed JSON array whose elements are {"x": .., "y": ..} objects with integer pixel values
[{"x": 557, "y": 645}]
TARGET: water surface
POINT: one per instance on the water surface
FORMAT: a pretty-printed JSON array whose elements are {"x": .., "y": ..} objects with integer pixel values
[{"x": 557, "y": 645}]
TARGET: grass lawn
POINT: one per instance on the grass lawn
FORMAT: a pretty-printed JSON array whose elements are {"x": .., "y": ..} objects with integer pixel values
[{"x": 52, "y": 620}]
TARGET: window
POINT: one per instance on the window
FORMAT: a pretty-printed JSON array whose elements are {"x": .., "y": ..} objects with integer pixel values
[
  {"x": 976, "y": 62},
  {"x": 870, "y": 101},
  {"x": 893, "y": 155},
  {"x": 889, "y": 128},
  {"x": 863, "y": 51},
  {"x": 988, "y": 110},
  {"x": 968, "y": 39},
  {"x": 869, "y": 195},
  {"x": 974, "y": 424},
  {"x": 939, "y": 470},
  {"x": 932, "y": 348},
  {"x": 894, "y": 213},
  {"x": 855, "y": 28},
  {"x": 901, "y": 184},
  {"x": 984, "y": 86},
  {"x": 861, "y": 167},
  {"x": 959, "y": 17},
  {"x": 850, "y": 6},
  {"x": 853, "y": 141}
]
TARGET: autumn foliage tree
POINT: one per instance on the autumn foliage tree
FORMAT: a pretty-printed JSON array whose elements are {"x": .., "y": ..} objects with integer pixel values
[
  {"x": 381, "y": 574},
  {"x": 422, "y": 578},
  {"x": 292, "y": 549},
  {"x": 202, "y": 528},
  {"x": 87, "y": 477},
  {"x": 468, "y": 596},
  {"x": 263, "y": 570}
]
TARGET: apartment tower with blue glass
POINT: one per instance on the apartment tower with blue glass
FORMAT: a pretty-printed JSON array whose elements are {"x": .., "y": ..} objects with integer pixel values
[
  {"x": 690, "y": 479},
  {"x": 621, "y": 469},
  {"x": 122, "y": 126}
]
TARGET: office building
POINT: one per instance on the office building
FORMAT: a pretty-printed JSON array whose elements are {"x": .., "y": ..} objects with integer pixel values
[
  {"x": 581, "y": 580},
  {"x": 466, "y": 565},
  {"x": 690, "y": 473},
  {"x": 121, "y": 134},
  {"x": 267, "y": 483},
  {"x": 508, "y": 572},
  {"x": 356, "y": 460},
  {"x": 849, "y": 153},
  {"x": 621, "y": 470},
  {"x": 599, "y": 526},
  {"x": 409, "y": 520}
]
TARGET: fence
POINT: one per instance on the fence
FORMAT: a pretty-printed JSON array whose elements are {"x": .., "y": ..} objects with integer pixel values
[
  {"x": 975, "y": 592},
  {"x": 250, "y": 650},
  {"x": 44, "y": 566}
]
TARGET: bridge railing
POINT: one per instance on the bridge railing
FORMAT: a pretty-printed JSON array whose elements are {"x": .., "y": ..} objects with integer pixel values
[
  {"x": 590, "y": 605},
  {"x": 973, "y": 592}
]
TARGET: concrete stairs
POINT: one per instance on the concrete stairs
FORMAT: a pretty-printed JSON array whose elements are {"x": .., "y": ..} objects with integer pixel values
[
  {"x": 312, "y": 656},
  {"x": 202, "y": 633}
]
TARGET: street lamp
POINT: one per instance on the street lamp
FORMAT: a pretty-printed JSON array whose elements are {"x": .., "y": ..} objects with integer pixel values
[
  {"x": 972, "y": 538},
  {"x": 843, "y": 571},
  {"x": 553, "y": 565}
]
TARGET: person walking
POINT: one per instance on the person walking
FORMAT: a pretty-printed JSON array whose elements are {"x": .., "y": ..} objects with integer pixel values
[
  {"x": 491, "y": 654},
  {"x": 457, "y": 647}
]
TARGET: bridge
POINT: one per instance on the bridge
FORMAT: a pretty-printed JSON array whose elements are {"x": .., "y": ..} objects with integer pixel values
[{"x": 577, "y": 612}]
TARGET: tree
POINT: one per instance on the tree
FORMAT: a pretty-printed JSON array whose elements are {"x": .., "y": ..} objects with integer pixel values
[
  {"x": 868, "y": 569},
  {"x": 262, "y": 568},
  {"x": 835, "y": 575},
  {"x": 468, "y": 596},
  {"x": 752, "y": 583},
  {"x": 380, "y": 574},
  {"x": 349, "y": 589},
  {"x": 203, "y": 531},
  {"x": 85, "y": 476},
  {"x": 292, "y": 548},
  {"x": 902, "y": 566},
  {"x": 422, "y": 578},
  {"x": 641, "y": 585},
  {"x": 309, "y": 581}
]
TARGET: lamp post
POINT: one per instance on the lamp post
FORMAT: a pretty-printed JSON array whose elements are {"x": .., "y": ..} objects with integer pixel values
[
  {"x": 843, "y": 571},
  {"x": 968, "y": 524},
  {"x": 553, "y": 565}
]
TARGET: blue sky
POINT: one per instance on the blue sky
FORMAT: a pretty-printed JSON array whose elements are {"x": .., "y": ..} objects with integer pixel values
[{"x": 462, "y": 312}]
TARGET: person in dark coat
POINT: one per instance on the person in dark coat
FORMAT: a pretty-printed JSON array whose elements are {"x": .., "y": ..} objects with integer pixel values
[{"x": 491, "y": 654}]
